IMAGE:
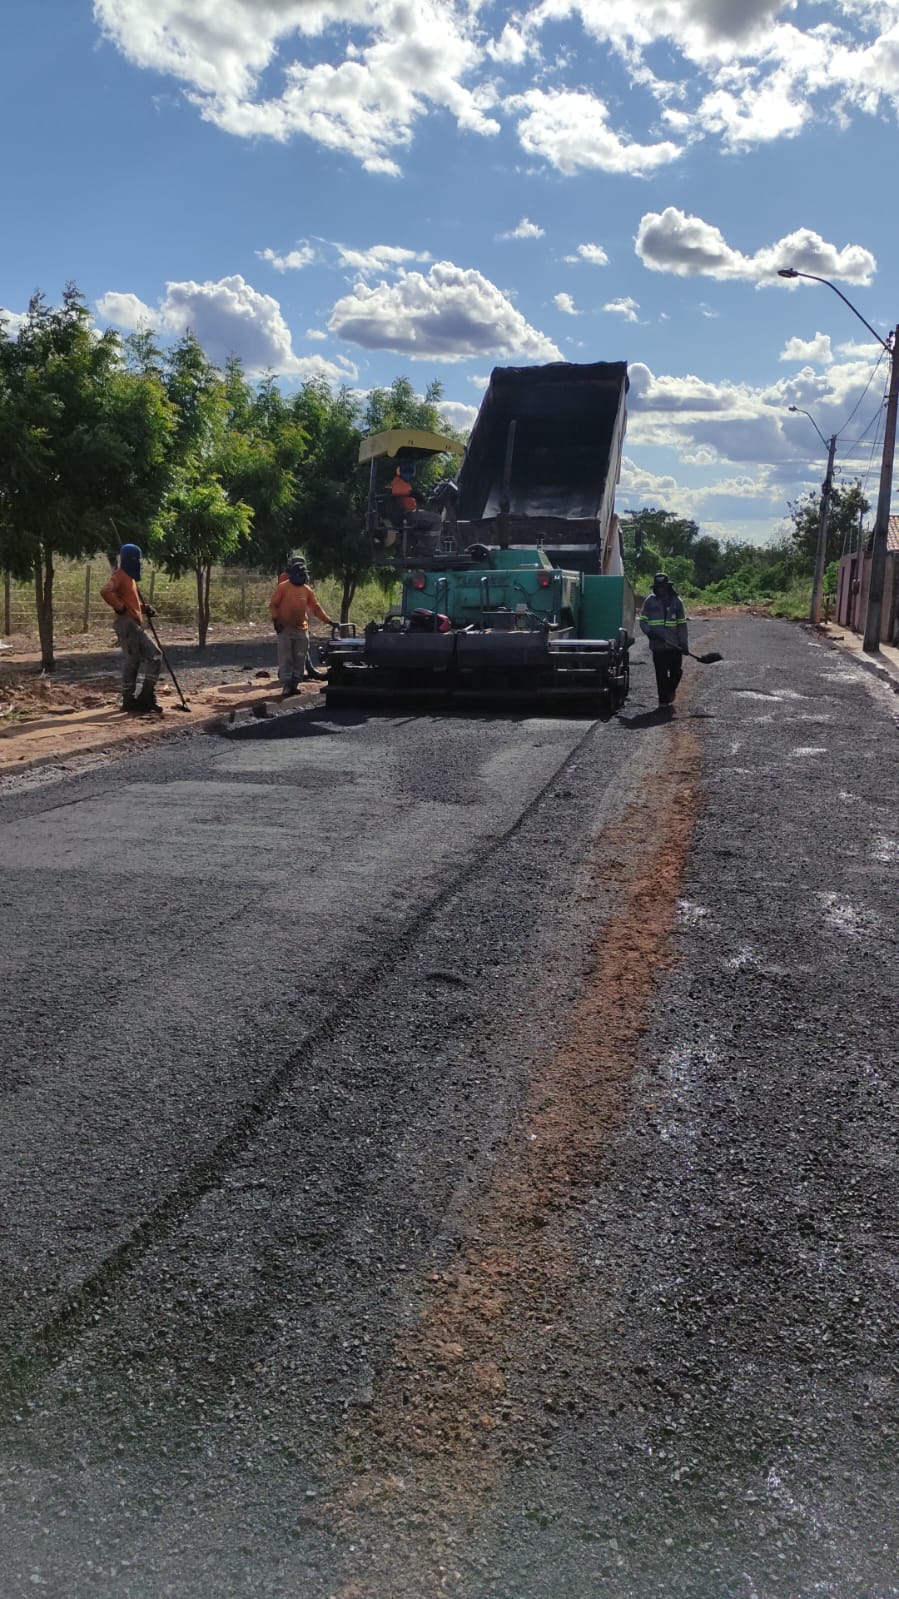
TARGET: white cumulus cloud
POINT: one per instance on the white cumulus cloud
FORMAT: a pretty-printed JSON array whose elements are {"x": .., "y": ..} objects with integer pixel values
[
  {"x": 228, "y": 317},
  {"x": 817, "y": 350},
  {"x": 747, "y": 71},
  {"x": 671, "y": 241},
  {"x": 126, "y": 311},
  {"x": 570, "y": 129},
  {"x": 625, "y": 307},
  {"x": 458, "y": 414},
  {"x": 449, "y": 314},
  {"x": 525, "y": 230},
  {"x": 13, "y": 322},
  {"x": 359, "y": 76},
  {"x": 564, "y": 302},
  {"x": 293, "y": 261},
  {"x": 592, "y": 253},
  {"x": 353, "y": 75},
  {"x": 379, "y": 258}
]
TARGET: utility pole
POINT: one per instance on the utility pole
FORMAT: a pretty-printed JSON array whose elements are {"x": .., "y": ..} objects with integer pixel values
[
  {"x": 826, "y": 491},
  {"x": 871, "y": 641}
]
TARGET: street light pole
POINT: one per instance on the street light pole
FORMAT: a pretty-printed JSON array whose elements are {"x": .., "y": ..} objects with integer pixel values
[
  {"x": 871, "y": 639},
  {"x": 820, "y": 553},
  {"x": 814, "y": 614}
]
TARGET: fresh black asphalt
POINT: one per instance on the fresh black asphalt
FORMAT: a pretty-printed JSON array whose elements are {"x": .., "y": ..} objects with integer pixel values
[{"x": 271, "y": 1000}]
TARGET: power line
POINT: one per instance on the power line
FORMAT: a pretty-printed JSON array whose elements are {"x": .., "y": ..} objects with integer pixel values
[
  {"x": 873, "y": 447},
  {"x": 862, "y": 437},
  {"x": 864, "y": 391}
]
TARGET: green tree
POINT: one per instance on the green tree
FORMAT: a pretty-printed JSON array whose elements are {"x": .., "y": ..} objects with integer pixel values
[
  {"x": 400, "y": 407},
  {"x": 204, "y": 520},
  {"x": 680, "y": 571},
  {"x": 264, "y": 450},
  {"x": 328, "y": 515},
  {"x": 709, "y": 561},
  {"x": 661, "y": 531},
  {"x": 848, "y": 504},
  {"x": 655, "y": 539},
  {"x": 202, "y": 527},
  {"x": 85, "y": 441}
]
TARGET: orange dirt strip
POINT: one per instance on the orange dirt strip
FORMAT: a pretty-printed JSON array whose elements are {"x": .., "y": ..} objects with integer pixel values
[
  {"x": 79, "y": 720},
  {"x": 474, "y": 1384}
]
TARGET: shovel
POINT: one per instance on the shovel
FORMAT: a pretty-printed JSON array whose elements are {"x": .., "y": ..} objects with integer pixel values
[{"x": 165, "y": 660}]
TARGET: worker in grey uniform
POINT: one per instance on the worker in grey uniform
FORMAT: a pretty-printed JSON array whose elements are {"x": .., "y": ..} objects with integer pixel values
[
  {"x": 138, "y": 649},
  {"x": 664, "y": 622}
]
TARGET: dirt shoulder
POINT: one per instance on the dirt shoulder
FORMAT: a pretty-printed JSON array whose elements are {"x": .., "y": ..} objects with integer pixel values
[{"x": 77, "y": 710}]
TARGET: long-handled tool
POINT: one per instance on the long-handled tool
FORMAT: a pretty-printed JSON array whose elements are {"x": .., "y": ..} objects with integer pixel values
[
  {"x": 705, "y": 660},
  {"x": 165, "y": 660}
]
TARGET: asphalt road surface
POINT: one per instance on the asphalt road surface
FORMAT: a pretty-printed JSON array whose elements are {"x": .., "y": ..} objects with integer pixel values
[{"x": 456, "y": 1155}]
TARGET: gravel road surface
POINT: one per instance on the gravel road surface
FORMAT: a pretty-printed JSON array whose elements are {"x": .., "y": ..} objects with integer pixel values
[{"x": 456, "y": 1155}]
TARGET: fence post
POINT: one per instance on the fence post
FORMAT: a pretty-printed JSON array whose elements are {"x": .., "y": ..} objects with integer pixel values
[
  {"x": 7, "y": 604},
  {"x": 152, "y": 585},
  {"x": 86, "y": 619},
  {"x": 243, "y": 596}
]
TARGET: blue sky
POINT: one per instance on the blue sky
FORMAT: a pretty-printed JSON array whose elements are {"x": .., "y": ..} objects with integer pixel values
[{"x": 432, "y": 189}]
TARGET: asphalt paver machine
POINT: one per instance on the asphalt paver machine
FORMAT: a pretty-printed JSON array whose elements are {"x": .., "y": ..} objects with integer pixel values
[{"x": 512, "y": 581}]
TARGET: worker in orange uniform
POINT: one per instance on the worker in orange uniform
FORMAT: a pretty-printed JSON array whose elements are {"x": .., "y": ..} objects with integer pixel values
[
  {"x": 403, "y": 501},
  {"x": 289, "y": 608},
  {"x": 138, "y": 649}
]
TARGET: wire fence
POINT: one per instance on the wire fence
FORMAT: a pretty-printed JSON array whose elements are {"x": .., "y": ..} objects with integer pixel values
[{"x": 236, "y": 595}]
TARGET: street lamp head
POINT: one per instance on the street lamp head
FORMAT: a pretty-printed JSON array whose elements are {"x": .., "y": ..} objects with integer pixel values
[
  {"x": 787, "y": 272},
  {"x": 793, "y": 408}
]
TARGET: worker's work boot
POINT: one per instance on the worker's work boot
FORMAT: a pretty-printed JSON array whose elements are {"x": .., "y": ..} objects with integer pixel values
[
  {"x": 129, "y": 702},
  {"x": 290, "y": 689},
  {"x": 146, "y": 702}
]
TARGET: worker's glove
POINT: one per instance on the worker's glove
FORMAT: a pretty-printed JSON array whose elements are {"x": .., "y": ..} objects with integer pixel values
[
  {"x": 278, "y": 627},
  {"x": 149, "y": 612}
]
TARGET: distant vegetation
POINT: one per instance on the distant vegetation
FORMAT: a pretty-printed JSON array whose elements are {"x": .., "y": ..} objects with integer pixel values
[
  {"x": 104, "y": 439},
  {"x": 777, "y": 575}
]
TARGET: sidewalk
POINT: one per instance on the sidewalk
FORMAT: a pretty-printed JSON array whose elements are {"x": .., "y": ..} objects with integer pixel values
[{"x": 885, "y": 665}]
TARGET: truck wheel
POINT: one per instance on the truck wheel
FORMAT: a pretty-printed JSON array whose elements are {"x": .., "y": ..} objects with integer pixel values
[{"x": 620, "y": 689}]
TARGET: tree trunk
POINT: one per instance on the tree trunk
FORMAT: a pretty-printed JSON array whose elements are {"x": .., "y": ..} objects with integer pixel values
[
  {"x": 43, "y": 593},
  {"x": 348, "y": 596},
  {"x": 202, "y": 574}
]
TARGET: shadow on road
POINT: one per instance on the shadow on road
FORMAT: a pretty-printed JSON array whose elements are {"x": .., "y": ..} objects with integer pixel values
[{"x": 654, "y": 718}]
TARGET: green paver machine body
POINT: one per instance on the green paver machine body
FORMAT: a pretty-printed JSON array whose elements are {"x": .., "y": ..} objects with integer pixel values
[{"x": 518, "y": 589}]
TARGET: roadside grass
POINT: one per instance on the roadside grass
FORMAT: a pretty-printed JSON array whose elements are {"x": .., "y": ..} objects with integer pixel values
[
  {"x": 793, "y": 603},
  {"x": 237, "y": 596}
]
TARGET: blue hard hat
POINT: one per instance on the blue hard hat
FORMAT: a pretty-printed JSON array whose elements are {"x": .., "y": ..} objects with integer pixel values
[{"x": 130, "y": 559}]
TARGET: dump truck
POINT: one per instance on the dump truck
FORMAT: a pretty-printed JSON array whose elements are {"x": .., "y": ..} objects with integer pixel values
[{"x": 513, "y": 582}]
